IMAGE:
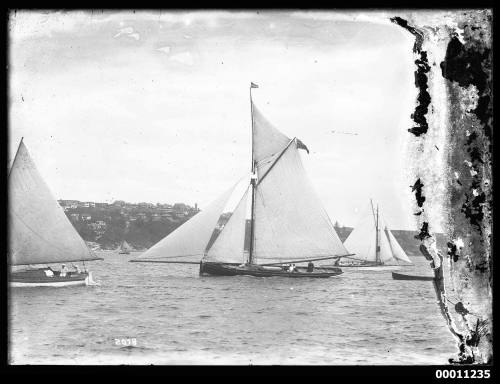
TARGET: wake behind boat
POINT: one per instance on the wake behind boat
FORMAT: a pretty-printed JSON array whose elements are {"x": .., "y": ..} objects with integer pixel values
[
  {"x": 40, "y": 233},
  {"x": 278, "y": 221}
]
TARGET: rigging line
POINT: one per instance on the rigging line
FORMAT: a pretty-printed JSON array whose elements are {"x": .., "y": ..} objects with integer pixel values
[
  {"x": 32, "y": 230},
  {"x": 275, "y": 161},
  {"x": 15, "y": 157}
]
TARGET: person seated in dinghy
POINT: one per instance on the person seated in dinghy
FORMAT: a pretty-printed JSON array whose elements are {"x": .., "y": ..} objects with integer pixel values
[
  {"x": 292, "y": 268},
  {"x": 310, "y": 266},
  {"x": 64, "y": 271},
  {"x": 77, "y": 270}
]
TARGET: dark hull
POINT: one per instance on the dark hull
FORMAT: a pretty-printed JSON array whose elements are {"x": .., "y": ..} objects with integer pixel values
[
  {"x": 400, "y": 276},
  {"x": 38, "y": 278},
  {"x": 235, "y": 270}
]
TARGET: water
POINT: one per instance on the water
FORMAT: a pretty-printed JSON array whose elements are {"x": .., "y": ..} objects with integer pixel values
[{"x": 178, "y": 317}]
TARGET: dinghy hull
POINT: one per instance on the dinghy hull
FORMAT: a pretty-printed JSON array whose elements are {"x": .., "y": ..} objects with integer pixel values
[
  {"x": 38, "y": 278},
  {"x": 218, "y": 269},
  {"x": 400, "y": 276}
]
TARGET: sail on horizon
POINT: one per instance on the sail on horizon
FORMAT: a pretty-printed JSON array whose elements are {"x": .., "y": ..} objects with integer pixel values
[{"x": 361, "y": 241}]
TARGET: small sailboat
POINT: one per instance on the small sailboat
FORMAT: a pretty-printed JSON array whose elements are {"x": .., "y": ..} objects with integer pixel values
[
  {"x": 374, "y": 245},
  {"x": 124, "y": 248},
  {"x": 40, "y": 234},
  {"x": 278, "y": 221}
]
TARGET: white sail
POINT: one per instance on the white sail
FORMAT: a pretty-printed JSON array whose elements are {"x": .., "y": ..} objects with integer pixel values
[
  {"x": 385, "y": 253},
  {"x": 397, "y": 250},
  {"x": 289, "y": 220},
  {"x": 125, "y": 246},
  {"x": 39, "y": 231},
  {"x": 187, "y": 243},
  {"x": 267, "y": 140},
  {"x": 228, "y": 247},
  {"x": 361, "y": 240}
]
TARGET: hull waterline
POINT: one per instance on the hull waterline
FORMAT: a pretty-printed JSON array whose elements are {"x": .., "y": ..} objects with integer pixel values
[
  {"x": 38, "y": 278},
  {"x": 400, "y": 276},
  {"x": 217, "y": 269}
]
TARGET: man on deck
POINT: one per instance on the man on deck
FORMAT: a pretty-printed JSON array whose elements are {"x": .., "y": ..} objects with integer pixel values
[
  {"x": 64, "y": 270},
  {"x": 310, "y": 266}
]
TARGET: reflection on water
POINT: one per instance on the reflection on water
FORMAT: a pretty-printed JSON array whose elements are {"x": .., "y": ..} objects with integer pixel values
[{"x": 178, "y": 317}]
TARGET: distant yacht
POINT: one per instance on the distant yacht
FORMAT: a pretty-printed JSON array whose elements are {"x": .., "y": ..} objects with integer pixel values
[
  {"x": 124, "y": 248},
  {"x": 40, "y": 233},
  {"x": 374, "y": 245},
  {"x": 286, "y": 222}
]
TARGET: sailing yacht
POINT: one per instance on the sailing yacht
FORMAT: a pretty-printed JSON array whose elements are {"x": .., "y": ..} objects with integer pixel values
[
  {"x": 40, "y": 233},
  {"x": 374, "y": 245},
  {"x": 277, "y": 222},
  {"x": 124, "y": 248}
]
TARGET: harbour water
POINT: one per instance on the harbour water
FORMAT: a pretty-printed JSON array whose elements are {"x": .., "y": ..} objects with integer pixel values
[{"x": 174, "y": 316}]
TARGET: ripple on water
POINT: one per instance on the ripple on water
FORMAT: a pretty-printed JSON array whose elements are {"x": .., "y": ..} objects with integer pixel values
[{"x": 345, "y": 321}]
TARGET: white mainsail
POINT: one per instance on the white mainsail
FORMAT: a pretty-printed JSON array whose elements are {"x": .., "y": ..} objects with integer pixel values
[
  {"x": 361, "y": 240},
  {"x": 290, "y": 222},
  {"x": 39, "y": 231},
  {"x": 187, "y": 243},
  {"x": 229, "y": 245}
]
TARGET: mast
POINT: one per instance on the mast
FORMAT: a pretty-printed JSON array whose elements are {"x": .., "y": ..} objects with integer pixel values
[
  {"x": 252, "y": 182},
  {"x": 377, "y": 245}
]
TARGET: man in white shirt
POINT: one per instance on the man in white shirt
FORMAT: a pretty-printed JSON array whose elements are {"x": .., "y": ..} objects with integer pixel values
[{"x": 64, "y": 270}]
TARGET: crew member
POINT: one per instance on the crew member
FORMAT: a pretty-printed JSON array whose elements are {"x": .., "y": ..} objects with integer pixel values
[
  {"x": 64, "y": 270},
  {"x": 310, "y": 266}
]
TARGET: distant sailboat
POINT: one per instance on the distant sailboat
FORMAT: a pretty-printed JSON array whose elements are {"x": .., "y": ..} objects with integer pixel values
[
  {"x": 278, "y": 221},
  {"x": 124, "y": 248},
  {"x": 373, "y": 244},
  {"x": 39, "y": 232}
]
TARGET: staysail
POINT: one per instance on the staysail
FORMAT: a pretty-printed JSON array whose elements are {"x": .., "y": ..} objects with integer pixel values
[
  {"x": 229, "y": 245},
  {"x": 187, "y": 243},
  {"x": 397, "y": 250},
  {"x": 39, "y": 231}
]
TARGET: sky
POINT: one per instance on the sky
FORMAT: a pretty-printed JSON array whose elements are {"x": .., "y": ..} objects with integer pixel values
[{"x": 154, "y": 106}]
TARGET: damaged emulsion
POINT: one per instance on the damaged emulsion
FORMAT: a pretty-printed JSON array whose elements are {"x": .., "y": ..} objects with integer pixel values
[
  {"x": 422, "y": 108},
  {"x": 466, "y": 66},
  {"x": 424, "y": 98}
]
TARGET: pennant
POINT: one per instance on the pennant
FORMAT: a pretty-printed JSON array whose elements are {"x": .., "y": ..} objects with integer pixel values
[
  {"x": 253, "y": 85},
  {"x": 301, "y": 145}
]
